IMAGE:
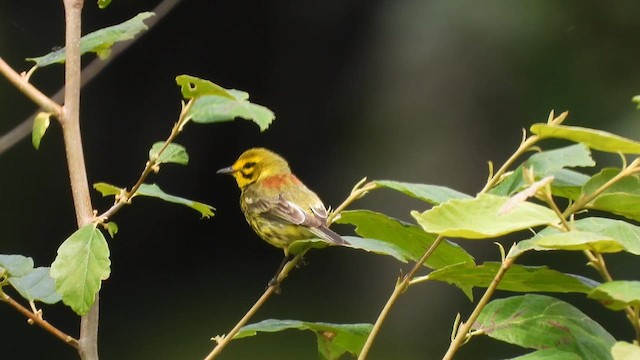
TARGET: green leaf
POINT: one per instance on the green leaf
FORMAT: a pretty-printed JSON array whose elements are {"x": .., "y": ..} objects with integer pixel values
[
  {"x": 81, "y": 265},
  {"x": 37, "y": 285},
  {"x": 40, "y": 125},
  {"x": 173, "y": 153},
  {"x": 622, "y": 198},
  {"x": 600, "y": 234},
  {"x": 212, "y": 108},
  {"x": 16, "y": 265},
  {"x": 595, "y": 139},
  {"x": 549, "y": 354},
  {"x": 624, "y": 351},
  {"x": 112, "y": 228},
  {"x": 568, "y": 183},
  {"x": 636, "y": 99},
  {"x": 549, "y": 163},
  {"x": 334, "y": 340},
  {"x": 193, "y": 87},
  {"x": 432, "y": 194},
  {"x": 371, "y": 245},
  {"x": 543, "y": 322},
  {"x": 410, "y": 240},
  {"x": 481, "y": 217},
  {"x": 617, "y": 295},
  {"x": 99, "y": 41},
  {"x": 153, "y": 190},
  {"x": 102, "y": 4},
  {"x": 519, "y": 278},
  {"x": 107, "y": 189}
]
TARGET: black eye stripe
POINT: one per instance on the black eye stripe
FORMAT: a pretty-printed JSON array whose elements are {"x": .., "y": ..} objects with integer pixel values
[{"x": 249, "y": 165}]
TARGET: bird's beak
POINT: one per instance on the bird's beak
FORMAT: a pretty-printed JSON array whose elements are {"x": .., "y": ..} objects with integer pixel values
[{"x": 227, "y": 170}]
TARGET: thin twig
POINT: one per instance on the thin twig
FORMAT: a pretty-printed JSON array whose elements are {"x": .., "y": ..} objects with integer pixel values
[
  {"x": 463, "y": 331},
  {"x": 35, "y": 319},
  {"x": 88, "y": 73},
  {"x": 226, "y": 339},
  {"x": 31, "y": 91},
  {"x": 400, "y": 288}
]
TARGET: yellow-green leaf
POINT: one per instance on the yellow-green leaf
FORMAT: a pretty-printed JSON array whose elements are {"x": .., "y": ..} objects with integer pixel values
[
  {"x": 40, "y": 126},
  {"x": 595, "y": 139}
]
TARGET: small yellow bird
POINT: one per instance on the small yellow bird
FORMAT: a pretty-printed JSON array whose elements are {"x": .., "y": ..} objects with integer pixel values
[{"x": 278, "y": 206}]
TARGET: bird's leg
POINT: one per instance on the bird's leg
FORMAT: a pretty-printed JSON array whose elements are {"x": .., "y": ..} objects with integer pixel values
[{"x": 274, "y": 280}]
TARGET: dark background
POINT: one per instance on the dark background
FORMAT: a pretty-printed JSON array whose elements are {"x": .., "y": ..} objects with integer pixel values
[{"x": 420, "y": 91}]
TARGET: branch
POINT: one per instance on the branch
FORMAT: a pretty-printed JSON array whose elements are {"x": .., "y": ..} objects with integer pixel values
[
  {"x": 29, "y": 90},
  {"x": 88, "y": 73},
  {"x": 38, "y": 320},
  {"x": 226, "y": 339}
]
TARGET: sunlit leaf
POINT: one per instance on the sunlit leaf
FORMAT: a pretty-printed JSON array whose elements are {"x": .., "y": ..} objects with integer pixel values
[
  {"x": 479, "y": 218},
  {"x": 432, "y": 194},
  {"x": 334, "y": 340},
  {"x": 173, "y": 153},
  {"x": 410, "y": 240},
  {"x": 107, "y": 189},
  {"x": 624, "y": 351},
  {"x": 81, "y": 265},
  {"x": 636, "y": 99},
  {"x": 112, "y": 228},
  {"x": 518, "y": 278},
  {"x": 37, "y": 285},
  {"x": 99, "y": 41},
  {"x": 214, "y": 108},
  {"x": 371, "y": 245},
  {"x": 153, "y": 190},
  {"x": 16, "y": 265},
  {"x": 192, "y": 87},
  {"x": 617, "y": 295},
  {"x": 595, "y": 139},
  {"x": 542, "y": 322},
  {"x": 40, "y": 125}
]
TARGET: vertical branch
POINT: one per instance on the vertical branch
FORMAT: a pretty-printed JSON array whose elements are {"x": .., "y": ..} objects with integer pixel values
[{"x": 70, "y": 122}]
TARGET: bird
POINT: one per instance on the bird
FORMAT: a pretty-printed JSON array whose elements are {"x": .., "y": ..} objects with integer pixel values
[{"x": 276, "y": 204}]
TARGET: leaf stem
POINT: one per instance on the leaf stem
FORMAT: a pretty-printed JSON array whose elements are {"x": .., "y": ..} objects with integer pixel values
[
  {"x": 399, "y": 289},
  {"x": 226, "y": 339},
  {"x": 463, "y": 331},
  {"x": 38, "y": 320},
  {"x": 357, "y": 192}
]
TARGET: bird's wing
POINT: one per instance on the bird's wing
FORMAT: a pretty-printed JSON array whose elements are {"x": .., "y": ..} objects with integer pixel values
[{"x": 284, "y": 210}]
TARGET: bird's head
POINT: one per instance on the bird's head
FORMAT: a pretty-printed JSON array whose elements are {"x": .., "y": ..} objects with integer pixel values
[{"x": 254, "y": 165}]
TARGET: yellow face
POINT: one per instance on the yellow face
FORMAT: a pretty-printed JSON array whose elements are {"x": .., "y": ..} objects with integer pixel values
[{"x": 256, "y": 164}]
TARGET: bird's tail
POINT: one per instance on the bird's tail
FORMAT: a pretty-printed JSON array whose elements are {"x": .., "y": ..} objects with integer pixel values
[{"x": 329, "y": 235}]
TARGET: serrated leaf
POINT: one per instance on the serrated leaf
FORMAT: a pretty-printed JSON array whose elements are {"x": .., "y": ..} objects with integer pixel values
[
  {"x": 410, "y": 240},
  {"x": 622, "y": 198},
  {"x": 617, "y": 295},
  {"x": 173, "y": 153},
  {"x": 99, "y": 41},
  {"x": 16, "y": 265},
  {"x": 192, "y": 87},
  {"x": 213, "y": 108},
  {"x": 595, "y": 139},
  {"x": 548, "y": 354},
  {"x": 37, "y": 285},
  {"x": 153, "y": 190},
  {"x": 543, "y": 322},
  {"x": 102, "y": 4},
  {"x": 81, "y": 265},
  {"x": 549, "y": 163},
  {"x": 518, "y": 278},
  {"x": 334, "y": 340},
  {"x": 624, "y": 351},
  {"x": 107, "y": 189},
  {"x": 432, "y": 194},
  {"x": 112, "y": 228},
  {"x": 40, "y": 125},
  {"x": 478, "y": 218}
]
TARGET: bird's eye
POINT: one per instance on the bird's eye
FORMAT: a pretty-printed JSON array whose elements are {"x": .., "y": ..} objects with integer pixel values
[{"x": 248, "y": 165}]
